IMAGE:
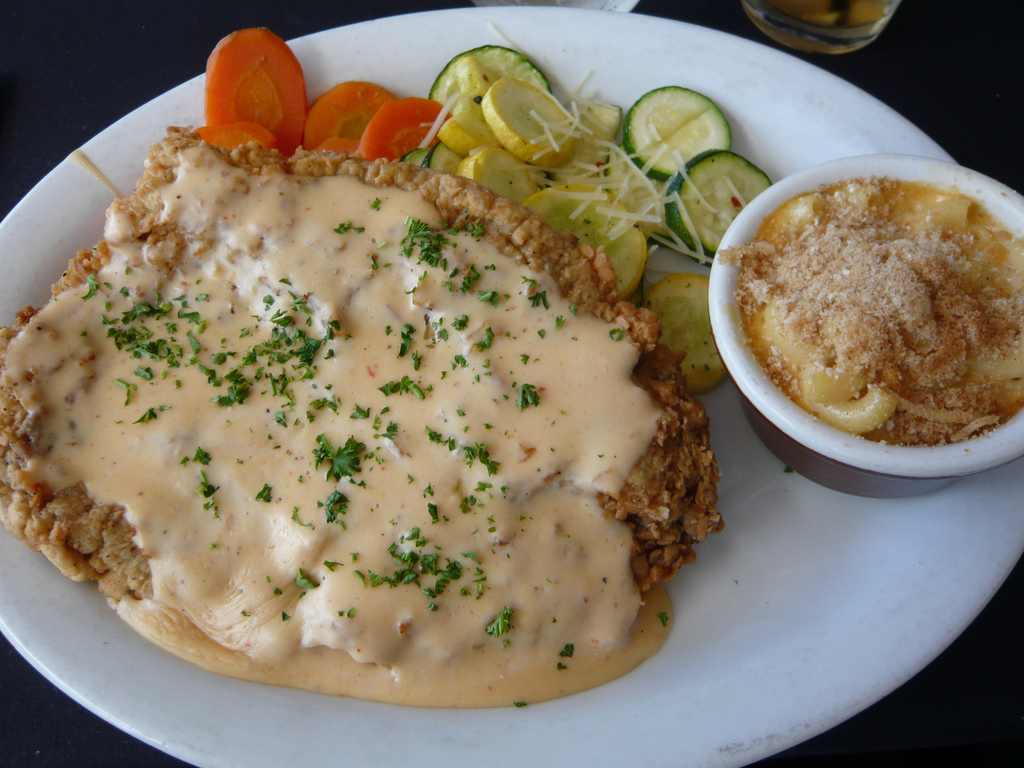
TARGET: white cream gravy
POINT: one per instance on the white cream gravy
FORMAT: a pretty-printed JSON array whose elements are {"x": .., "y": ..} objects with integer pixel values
[{"x": 473, "y": 479}]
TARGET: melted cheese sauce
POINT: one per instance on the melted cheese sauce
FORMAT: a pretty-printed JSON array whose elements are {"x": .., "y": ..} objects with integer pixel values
[{"x": 360, "y": 454}]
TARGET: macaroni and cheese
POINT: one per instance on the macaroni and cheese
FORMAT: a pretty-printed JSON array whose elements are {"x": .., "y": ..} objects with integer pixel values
[{"x": 889, "y": 309}]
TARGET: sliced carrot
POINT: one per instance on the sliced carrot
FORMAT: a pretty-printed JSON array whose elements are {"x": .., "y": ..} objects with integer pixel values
[
  {"x": 253, "y": 76},
  {"x": 344, "y": 111},
  {"x": 398, "y": 127},
  {"x": 338, "y": 144},
  {"x": 235, "y": 135}
]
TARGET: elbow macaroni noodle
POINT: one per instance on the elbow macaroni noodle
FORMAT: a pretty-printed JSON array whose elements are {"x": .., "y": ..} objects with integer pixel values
[{"x": 841, "y": 399}]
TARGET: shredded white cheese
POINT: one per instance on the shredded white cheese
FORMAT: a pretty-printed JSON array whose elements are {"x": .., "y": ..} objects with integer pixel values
[{"x": 446, "y": 110}]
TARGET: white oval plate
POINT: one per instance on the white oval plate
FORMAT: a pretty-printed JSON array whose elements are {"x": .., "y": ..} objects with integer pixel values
[{"x": 808, "y": 607}]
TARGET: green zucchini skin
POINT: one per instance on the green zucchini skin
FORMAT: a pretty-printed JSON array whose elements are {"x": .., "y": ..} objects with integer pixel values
[
  {"x": 496, "y": 62},
  {"x": 714, "y": 188},
  {"x": 441, "y": 158},
  {"x": 672, "y": 124}
]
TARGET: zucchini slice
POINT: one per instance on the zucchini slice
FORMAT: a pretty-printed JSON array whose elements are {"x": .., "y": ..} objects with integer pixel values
[
  {"x": 704, "y": 200},
  {"x": 501, "y": 172},
  {"x": 528, "y": 121},
  {"x": 587, "y": 213},
  {"x": 466, "y": 130},
  {"x": 442, "y": 158},
  {"x": 681, "y": 301},
  {"x": 464, "y": 81},
  {"x": 417, "y": 156},
  {"x": 600, "y": 126},
  {"x": 472, "y": 72},
  {"x": 671, "y": 125}
]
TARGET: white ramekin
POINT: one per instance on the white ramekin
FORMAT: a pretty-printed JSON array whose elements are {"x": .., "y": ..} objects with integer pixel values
[{"x": 822, "y": 453}]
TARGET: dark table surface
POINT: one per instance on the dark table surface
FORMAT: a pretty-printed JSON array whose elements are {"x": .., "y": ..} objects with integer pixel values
[{"x": 69, "y": 69}]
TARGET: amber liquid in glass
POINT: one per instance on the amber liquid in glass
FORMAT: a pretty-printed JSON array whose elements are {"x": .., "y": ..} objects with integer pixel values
[{"x": 824, "y": 26}]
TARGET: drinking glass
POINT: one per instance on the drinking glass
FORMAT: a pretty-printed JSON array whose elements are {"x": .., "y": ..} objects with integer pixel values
[{"x": 821, "y": 26}]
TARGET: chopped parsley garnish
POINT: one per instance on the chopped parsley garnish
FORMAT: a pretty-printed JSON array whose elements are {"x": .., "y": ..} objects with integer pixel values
[
  {"x": 485, "y": 343},
  {"x": 436, "y": 437},
  {"x": 331, "y": 403},
  {"x": 150, "y": 414},
  {"x": 347, "y": 226},
  {"x": 237, "y": 394},
  {"x": 414, "y": 564},
  {"x": 128, "y": 389},
  {"x": 93, "y": 287},
  {"x": 502, "y": 625},
  {"x": 471, "y": 276},
  {"x": 407, "y": 331},
  {"x": 479, "y": 452},
  {"x": 206, "y": 488},
  {"x": 528, "y": 396},
  {"x": 342, "y": 461},
  {"x": 406, "y": 385},
  {"x": 430, "y": 242},
  {"x": 334, "y": 506}
]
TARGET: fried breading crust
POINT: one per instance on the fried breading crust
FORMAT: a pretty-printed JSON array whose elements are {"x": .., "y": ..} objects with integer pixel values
[
  {"x": 668, "y": 500},
  {"x": 670, "y": 496}
]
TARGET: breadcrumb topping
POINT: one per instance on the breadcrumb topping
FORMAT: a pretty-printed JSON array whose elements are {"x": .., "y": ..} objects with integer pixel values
[{"x": 900, "y": 285}]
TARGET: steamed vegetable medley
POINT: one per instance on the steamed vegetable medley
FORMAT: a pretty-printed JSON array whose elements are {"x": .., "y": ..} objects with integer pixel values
[{"x": 663, "y": 173}]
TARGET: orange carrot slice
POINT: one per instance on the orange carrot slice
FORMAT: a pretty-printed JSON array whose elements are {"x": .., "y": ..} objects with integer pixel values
[
  {"x": 253, "y": 76},
  {"x": 339, "y": 144},
  {"x": 344, "y": 111},
  {"x": 398, "y": 127},
  {"x": 233, "y": 135}
]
